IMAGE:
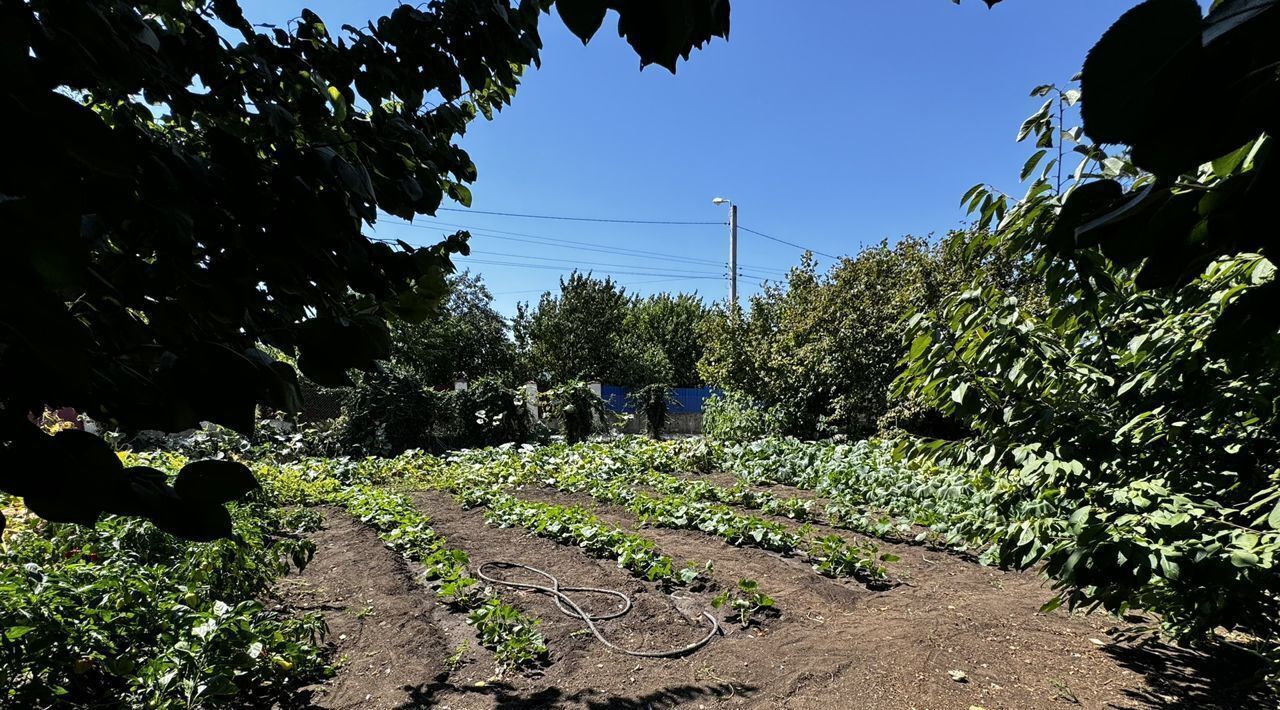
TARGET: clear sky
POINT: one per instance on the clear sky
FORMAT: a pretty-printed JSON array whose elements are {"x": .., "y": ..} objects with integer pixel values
[{"x": 832, "y": 123}]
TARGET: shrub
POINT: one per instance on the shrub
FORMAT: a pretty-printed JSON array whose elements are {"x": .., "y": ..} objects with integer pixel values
[
  {"x": 653, "y": 402},
  {"x": 487, "y": 414},
  {"x": 388, "y": 413},
  {"x": 581, "y": 412}
]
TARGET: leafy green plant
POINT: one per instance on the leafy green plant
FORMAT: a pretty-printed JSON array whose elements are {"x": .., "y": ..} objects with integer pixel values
[
  {"x": 1130, "y": 431},
  {"x": 125, "y": 611},
  {"x": 580, "y": 410},
  {"x": 735, "y": 416},
  {"x": 653, "y": 401},
  {"x": 513, "y": 637},
  {"x": 746, "y": 602}
]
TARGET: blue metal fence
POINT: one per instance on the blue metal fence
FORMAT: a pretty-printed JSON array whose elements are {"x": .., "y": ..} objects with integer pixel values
[{"x": 688, "y": 400}]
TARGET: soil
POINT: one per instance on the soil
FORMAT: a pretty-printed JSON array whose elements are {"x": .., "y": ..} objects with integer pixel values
[
  {"x": 382, "y": 635},
  {"x": 952, "y": 634}
]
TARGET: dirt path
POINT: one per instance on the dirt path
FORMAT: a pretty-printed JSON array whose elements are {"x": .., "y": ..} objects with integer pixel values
[{"x": 380, "y": 620}]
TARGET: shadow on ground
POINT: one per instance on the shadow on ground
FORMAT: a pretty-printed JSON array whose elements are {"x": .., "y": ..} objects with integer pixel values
[
  {"x": 1221, "y": 677},
  {"x": 506, "y": 697}
]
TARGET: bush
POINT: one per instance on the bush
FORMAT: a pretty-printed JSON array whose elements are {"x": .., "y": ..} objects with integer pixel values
[
  {"x": 125, "y": 613},
  {"x": 388, "y": 413},
  {"x": 734, "y": 416},
  {"x": 653, "y": 402},
  {"x": 581, "y": 412},
  {"x": 486, "y": 414}
]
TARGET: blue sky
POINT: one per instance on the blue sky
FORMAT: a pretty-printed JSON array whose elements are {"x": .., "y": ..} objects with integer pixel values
[{"x": 832, "y": 123}]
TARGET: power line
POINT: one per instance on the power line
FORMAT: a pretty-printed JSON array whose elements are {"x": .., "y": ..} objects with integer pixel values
[
  {"x": 580, "y": 245},
  {"x": 522, "y": 265},
  {"x": 783, "y": 241},
  {"x": 577, "y": 219},
  {"x": 627, "y": 285},
  {"x": 582, "y": 263}
]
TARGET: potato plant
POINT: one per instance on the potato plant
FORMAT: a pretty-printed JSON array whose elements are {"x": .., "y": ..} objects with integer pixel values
[{"x": 125, "y": 611}]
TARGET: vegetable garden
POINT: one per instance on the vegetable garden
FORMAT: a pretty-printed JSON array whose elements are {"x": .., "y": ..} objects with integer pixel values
[
  {"x": 834, "y": 571},
  {"x": 926, "y": 466}
]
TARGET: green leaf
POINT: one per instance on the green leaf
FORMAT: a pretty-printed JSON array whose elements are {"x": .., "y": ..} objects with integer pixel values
[
  {"x": 1274, "y": 519},
  {"x": 582, "y": 17},
  {"x": 214, "y": 481},
  {"x": 958, "y": 394},
  {"x": 1243, "y": 558},
  {"x": 1030, "y": 166},
  {"x": 13, "y": 633}
]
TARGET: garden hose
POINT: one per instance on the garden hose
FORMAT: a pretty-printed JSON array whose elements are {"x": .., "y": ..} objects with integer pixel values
[{"x": 568, "y": 608}]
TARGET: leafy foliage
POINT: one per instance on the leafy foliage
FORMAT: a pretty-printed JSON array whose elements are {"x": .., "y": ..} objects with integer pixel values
[
  {"x": 389, "y": 413},
  {"x": 579, "y": 410},
  {"x": 127, "y": 612},
  {"x": 1130, "y": 431},
  {"x": 594, "y": 330},
  {"x": 734, "y": 416},
  {"x": 820, "y": 351},
  {"x": 653, "y": 401},
  {"x": 189, "y": 185},
  {"x": 467, "y": 339},
  {"x": 662, "y": 331}
]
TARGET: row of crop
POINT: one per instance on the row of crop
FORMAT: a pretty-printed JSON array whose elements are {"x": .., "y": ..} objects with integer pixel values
[
  {"x": 570, "y": 525},
  {"x": 609, "y": 475},
  {"x": 124, "y": 614},
  {"x": 869, "y": 488},
  {"x": 512, "y": 636}
]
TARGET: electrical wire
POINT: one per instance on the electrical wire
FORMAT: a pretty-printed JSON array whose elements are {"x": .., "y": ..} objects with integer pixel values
[
  {"x": 576, "y": 262},
  {"x": 522, "y": 265},
  {"x": 583, "y": 246},
  {"x": 783, "y": 241},
  {"x": 631, "y": 284},
  {"x": 577, "y": 219}
]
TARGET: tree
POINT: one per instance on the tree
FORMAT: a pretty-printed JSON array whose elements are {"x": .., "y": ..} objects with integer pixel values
[
  {"x": 594, "y": 330},
  {"x": 467, "y": 338},
  {"x": 821, "y": 350},
  {"x": 1130, "y": 430},
  {"x": 668, "y": 325},
  {"x": 575, "y": 335},
  {"x": 181, "y": 185}
]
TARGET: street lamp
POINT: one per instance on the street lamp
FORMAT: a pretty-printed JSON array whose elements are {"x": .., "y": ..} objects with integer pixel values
[{"x": 733, "y": 248}]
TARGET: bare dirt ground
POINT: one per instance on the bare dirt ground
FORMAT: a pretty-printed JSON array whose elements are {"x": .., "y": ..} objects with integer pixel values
[{"x": 837, "y": 644}]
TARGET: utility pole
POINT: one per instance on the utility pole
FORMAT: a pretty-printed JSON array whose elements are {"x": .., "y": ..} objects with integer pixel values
[
  {"x": 733, "y": 254},
  {"x": 733, "y": 248}
]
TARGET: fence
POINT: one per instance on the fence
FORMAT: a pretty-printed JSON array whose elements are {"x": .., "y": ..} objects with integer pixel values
[{"x": 688, "y": 400}]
